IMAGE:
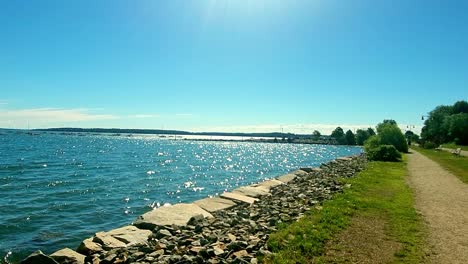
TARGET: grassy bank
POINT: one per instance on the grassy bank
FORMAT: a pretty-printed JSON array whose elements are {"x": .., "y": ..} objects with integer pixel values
[
  {"x": 454, "y": 146},
  {"x": 374, "y": 219},
  {"x": 458, "y": 165}
]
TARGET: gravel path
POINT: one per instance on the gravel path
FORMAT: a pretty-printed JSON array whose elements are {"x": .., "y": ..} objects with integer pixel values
[{"x": 442, "y": 199}]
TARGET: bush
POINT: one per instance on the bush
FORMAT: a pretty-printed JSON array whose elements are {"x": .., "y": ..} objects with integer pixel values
[
  {"x": 390, "y": 134},
  {"x": 384, "y": 153},
  {"x": 429, "y": 145}
]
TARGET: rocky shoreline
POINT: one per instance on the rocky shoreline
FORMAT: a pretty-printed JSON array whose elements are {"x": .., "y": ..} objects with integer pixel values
[{"x": 232, "y": 228}]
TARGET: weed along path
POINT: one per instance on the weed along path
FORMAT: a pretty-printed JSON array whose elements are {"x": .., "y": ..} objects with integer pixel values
[{"x": 442, "y": 199}]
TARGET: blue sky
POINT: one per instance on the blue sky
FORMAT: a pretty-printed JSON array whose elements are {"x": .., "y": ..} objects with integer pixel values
[{"x": 229, "y": 65}]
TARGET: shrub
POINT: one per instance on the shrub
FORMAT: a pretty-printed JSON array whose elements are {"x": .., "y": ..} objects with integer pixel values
[
  {"x": 384, "y": 153},
  {"x": 391, "y": 135},
  {"x": 429, "y": 145}
]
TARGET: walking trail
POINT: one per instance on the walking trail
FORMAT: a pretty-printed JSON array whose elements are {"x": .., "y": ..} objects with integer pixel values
[{"x": 442, "y": 199}]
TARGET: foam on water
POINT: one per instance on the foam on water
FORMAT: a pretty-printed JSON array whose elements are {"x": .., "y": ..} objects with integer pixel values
[{"x": 59, "y": 189}]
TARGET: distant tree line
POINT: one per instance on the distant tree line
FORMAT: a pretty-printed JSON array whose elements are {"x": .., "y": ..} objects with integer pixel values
[
  {"x": 446, "y": 123},
  {"x": 349, "y": 138}
]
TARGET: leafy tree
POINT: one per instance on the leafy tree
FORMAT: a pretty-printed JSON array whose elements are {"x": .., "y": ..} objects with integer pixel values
[
  {"x": 339, "y": 135},
  {"x": 390, "y": 134},
  {"x": 350, "y": 138},
  {"x": 316, "y": 135},
  {"x": 458, "y": 128},
  {"x": 361, "y": 136},
  {"x": 446, "y": 123},
  {"x": 386, "y": 122},
  {"x": 460, "y": 107},
  {"x": 370, "y": 131}
]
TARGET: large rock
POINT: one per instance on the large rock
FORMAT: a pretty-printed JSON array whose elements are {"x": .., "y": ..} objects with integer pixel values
[
  {"x": 269, "y": 184},
  {"x": 239, "y": 197},
  {"x": 68, "y": 256},
  {"x": 88, "y": 247},
  {"x": 107, "y": 241},
  {"x": 131, "y": 235},
  {"x": 178, "y": 214},
  {"x": 287, "y": 177},
  {"x": 300, "y": 173},
  {"x": 214, "y": 204},
  {"x": 252, "y": 191},
  {"x": 38, "y": 258}
]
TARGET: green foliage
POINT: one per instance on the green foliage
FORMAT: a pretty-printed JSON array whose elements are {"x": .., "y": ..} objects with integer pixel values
[
  {"x": 339, "y": 135},
  {"x": 384, "y": 153},
  {"x": 386, "y": 122},
  {"x": 429, "y": 145},
  {"x": 457, "y": 126},
  {"x": 447, "y": 123},
  {"x": 390, "y": 134},
  {"x": 362, "y": 136},
  {"x": 378, "y": 192},
  {"x": 372, "y": 142},
  {"x": 350, "y": 138},
  {"x": 316, "y": 135},
  {"x": 370, "y": 131}
]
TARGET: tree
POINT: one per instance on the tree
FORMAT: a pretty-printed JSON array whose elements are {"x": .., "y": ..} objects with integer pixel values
[
  {"x": 441, "y": 125},
  {"x": 458, "y": 128},
  {"x": 339, "y": 135},
  {"x": 361, "y": 136},
  {"x": 371, "y": 131},
  {"x": 316, "y": 135},
  {"x": 384, "y": 123},
  {"x": 350, "y": 138},
  {"x": 390, "y": 134},
  {"x": 460, "y": 107}
]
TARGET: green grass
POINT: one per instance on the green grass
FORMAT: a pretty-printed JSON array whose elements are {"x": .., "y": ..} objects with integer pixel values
[
  {"x": 458, "y": 165},
  {"x": 454, "y": 146},
  {"x": 380, "y": 191}
]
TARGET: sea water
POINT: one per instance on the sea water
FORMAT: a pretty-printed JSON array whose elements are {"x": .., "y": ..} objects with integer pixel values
[{"x": 58, "y": 189}]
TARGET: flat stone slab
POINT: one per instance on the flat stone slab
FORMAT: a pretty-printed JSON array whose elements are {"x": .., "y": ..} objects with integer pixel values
[
  {"x": 131, "y": 235},
  {"x": 239, "y": 197},
  {"x": 252, "y": 191},
  {"x": 300, "y": 173},
  {"x": 344, "y": 159},
  {"x": 287, "y": 177},
  {"x": 178, "y": 214},
  {"x": 214, "y": 204},
  {"x": 107, "y": 241},
  {"x": 269, "y": 184}
]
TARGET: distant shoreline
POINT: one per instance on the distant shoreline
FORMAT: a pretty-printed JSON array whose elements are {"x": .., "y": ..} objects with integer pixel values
[{"x": 273, "y": 137}]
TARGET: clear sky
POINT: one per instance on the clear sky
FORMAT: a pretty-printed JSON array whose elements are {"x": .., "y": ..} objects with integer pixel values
[{"x": 229, "y": 65}]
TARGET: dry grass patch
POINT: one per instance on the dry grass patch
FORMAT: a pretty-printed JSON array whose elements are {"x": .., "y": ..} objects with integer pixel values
[{"x": 364, "y": 241}]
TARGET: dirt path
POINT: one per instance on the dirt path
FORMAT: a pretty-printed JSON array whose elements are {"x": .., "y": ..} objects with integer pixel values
[{"x": 442, "y": 199}]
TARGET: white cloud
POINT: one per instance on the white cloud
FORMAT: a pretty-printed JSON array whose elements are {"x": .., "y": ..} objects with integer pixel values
[
  {"x": 143, "y": 116},
  {"x": 40, "y": 117}
]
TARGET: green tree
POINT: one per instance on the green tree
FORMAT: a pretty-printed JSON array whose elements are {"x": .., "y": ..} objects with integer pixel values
[
  {"x": 458, "y": 128},
  {"x": 316, "y": 135},
  {"x": 390, "y": 134},
  {"x": 350, "y": 138},
  {"x": 386, "y": 122},
  {"x": 436, "y": 127},
  {"x": 339, "y": 135},
  {"x": 460, "y": 107},
  {"x": 361, "y": 136},
  {"x": 371, "y": 131}
]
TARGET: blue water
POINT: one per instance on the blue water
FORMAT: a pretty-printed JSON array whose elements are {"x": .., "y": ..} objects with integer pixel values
[{"x": 58, "y": 189}]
